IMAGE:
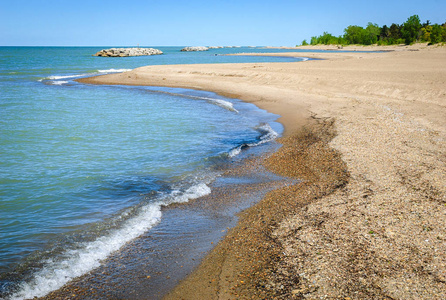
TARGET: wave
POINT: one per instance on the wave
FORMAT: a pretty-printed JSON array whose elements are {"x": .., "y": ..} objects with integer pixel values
[
  {"x": 267, "y": 134},
  {"x": 114, "y": 70},
  {"x": 88, "y": 255},
  {"x": 236, "y": 151},
  {"x": 60, "y": 82},
  {"x": 80, "y": 261},
  {"x": 59, "y": 77},
  {"x": 194, "y": 192},
  {"x": 222, "y": 103},
  {"x": 56, "y": 80}
]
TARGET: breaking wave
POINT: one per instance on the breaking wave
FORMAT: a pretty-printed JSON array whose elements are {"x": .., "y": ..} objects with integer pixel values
[
  {"x": 61, "y": 79},
  {"x": 267, "y": 134},
  {"x": 89, "y": 255},
  {"x": 222, "y": 103},
  {"x": 114, "y": 70}
]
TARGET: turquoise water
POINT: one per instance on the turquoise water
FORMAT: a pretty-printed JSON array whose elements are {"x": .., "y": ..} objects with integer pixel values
[{"x": 84, "y": 169}]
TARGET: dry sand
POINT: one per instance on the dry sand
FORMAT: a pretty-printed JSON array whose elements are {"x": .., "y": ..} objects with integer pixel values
[{"x": 366, "y": 132}]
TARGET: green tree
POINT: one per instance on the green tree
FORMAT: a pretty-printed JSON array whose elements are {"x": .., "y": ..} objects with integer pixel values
[
  {"x": 371, "y": 34},
  {"x": 426, "y": 33},
  {"x": 410, "y": 29},
  {"x": 353, "y": 34},
  {"x": 408, "y": 32},
  {"x": 328, "y": 39},
  {"x": 443, "y": 34},
  {"x": 313, "y": 40},
  {"x": 436, "y": 34},
  {"x": 384, "y": 33},
  {"x": 395, "y": 33},
  {"x": 304, "y": 43}
]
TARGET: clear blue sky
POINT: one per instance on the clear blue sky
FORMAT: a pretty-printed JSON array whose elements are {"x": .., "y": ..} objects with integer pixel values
[{"x": 196, "y": 22}]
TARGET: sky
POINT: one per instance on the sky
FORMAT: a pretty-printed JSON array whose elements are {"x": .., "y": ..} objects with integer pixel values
[{"x": 196, "y": 22}]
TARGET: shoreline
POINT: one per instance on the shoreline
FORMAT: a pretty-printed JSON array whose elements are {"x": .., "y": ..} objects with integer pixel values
[
  {"x": 248, "y": 262},
  {"x": 154, "y": 263},
  {"x": 377, "y": 233}
]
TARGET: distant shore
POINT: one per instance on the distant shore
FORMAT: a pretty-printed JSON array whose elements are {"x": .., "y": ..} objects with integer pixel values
[
  {"x": 366, "y": 132},
  {"x": 402, "y": 47}
]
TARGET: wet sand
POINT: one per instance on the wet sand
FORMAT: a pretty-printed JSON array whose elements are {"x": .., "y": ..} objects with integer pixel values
[{"x": 366, "y": 132}]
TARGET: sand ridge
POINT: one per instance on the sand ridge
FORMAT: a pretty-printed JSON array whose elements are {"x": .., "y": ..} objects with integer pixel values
[{"x": 377, "y": 234}]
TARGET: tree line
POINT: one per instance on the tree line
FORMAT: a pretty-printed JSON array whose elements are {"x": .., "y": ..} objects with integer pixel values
[{"x": 407, "y": 33}]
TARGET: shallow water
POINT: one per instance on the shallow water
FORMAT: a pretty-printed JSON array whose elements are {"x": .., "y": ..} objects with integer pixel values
[
  {"x": 86, "y": 169},
  {"x": 151, "y": 265}
]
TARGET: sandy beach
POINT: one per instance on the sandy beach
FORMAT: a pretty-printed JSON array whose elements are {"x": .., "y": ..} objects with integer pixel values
[{"x": 366, "y": 133}]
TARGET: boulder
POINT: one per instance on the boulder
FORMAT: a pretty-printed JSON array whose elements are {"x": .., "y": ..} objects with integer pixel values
[{"x": 125, "y": 52}]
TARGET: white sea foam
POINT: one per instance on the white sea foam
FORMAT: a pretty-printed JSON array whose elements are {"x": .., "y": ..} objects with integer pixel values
[
  {"x": 58, "y": 82},
  {"x": 197, "y": 191},
  {"x": 80, "y": 261},
  {"x": 236, "y": 151},
  {"x": 64, "y": 77},
  {"x": 59, "y": 77},
  {"x": 194, "y": 192},
  {"x": 114, "y": 70},
  {"x": 268, "y": 134},
  {"x": 222, "y": 103},
  {"x": 55, "y": 77},
  {"x": 77, "y": 262}
]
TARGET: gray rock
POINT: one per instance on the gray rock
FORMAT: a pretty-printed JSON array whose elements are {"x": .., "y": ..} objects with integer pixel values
[
  {"x": 125, "y": 52},
  {"x": 198, "y": 48}
]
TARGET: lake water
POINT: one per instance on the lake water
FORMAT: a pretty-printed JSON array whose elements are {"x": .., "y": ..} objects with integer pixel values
[{"x": 86, "y": 169}]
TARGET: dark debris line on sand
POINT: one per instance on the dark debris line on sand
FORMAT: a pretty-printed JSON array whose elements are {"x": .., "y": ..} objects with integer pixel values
[{"x": 248, "y": 263}]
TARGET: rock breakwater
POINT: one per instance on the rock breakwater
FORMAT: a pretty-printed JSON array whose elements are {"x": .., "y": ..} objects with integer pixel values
[
  {"x": 198, "y": 48},
  {"x": 124, "y": 52}
]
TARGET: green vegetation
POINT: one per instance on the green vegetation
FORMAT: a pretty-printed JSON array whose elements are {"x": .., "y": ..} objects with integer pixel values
[{"x": 407, "y": 33}]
